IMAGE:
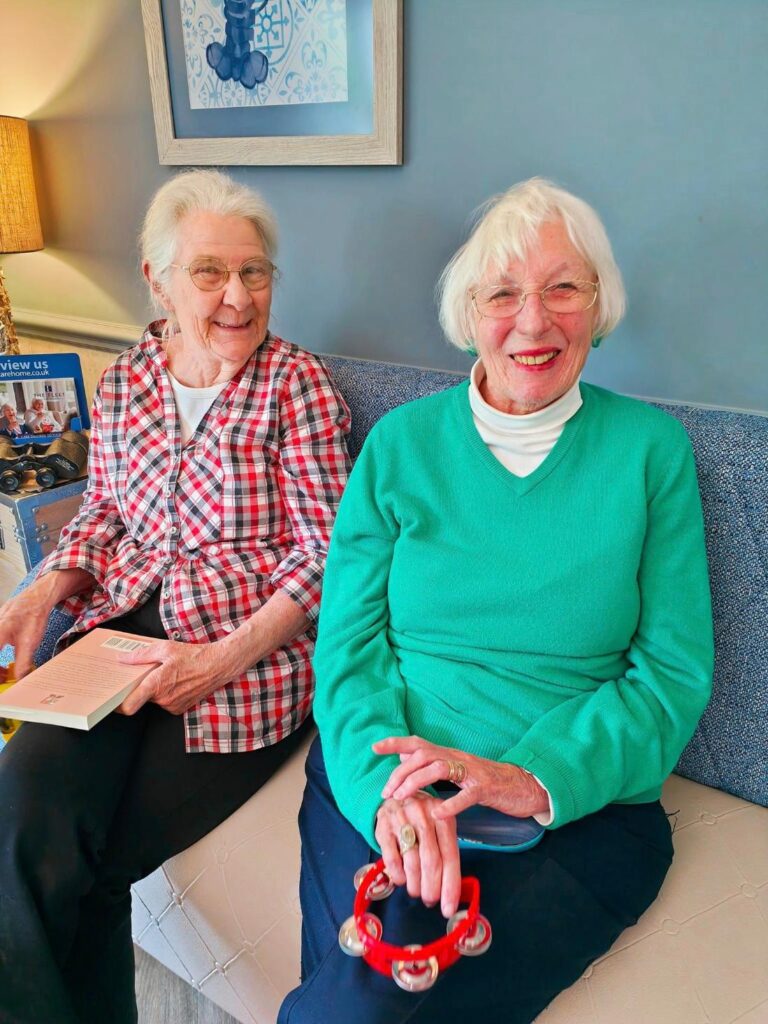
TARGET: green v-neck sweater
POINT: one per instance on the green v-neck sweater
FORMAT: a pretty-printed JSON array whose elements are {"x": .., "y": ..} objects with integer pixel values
[{"x": 559, "y": 621}]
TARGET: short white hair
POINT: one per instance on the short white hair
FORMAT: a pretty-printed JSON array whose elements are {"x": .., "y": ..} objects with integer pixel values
[
  {"x": 190, "y": 192},
  {"x": 507, "y": 227}
]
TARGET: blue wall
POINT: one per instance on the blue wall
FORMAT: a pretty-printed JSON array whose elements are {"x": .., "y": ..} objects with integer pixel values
[{"x": 653, "y": 111}]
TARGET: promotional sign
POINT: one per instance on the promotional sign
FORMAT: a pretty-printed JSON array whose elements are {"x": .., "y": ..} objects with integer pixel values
[{"x": 41, "y": 396}]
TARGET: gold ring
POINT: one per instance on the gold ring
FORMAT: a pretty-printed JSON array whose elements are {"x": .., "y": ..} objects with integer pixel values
[
  {"x": 407, "y": 840},
  {"x": 457, "y": 772}
]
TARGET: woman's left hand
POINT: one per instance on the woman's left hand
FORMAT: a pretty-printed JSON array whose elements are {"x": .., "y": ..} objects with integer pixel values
[
  {"x": 185, "y": 673},
  {"x": 505, "y": 787}
]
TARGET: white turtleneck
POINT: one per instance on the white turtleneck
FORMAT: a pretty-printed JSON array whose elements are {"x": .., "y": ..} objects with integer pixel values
[{"x": 520, "y": 443}]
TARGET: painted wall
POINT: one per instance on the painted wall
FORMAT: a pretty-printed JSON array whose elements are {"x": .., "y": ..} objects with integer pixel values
[{"x": 654, "y": 112}]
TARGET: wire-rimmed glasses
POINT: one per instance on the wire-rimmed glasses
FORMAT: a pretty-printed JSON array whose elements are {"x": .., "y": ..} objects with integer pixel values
[
  {"x": 210, "y": 274},
  {"x": 502, "y": 300}
]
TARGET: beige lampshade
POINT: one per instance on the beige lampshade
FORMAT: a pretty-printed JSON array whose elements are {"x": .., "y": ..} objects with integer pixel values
[{"x": 19, "y": 217}]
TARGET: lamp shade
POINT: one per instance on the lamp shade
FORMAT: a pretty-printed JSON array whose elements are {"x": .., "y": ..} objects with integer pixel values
[{"x": 19, "y": 217}]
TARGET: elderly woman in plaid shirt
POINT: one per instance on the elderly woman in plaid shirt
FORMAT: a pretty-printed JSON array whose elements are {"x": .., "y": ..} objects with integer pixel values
[{"x": 218, "y": 458}]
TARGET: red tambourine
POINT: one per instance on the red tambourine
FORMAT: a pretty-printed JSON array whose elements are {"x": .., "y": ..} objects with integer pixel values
[{"x": 468, "y": 934}]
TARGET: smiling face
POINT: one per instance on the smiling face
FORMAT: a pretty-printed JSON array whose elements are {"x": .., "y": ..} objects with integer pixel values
[
  {"x": 227, "y": 325},
  {"x": 532, "y": 358}
]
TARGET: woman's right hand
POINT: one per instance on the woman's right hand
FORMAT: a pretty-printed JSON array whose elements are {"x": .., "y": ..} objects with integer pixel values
[
  {"x": 23, "y": 618},
  {"x": 431, "y": 869},
  {"x": 22, "y": 623}
]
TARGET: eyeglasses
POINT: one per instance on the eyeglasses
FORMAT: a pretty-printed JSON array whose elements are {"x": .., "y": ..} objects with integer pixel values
[
  {"x": 500, "y": 300},
  {"x": 209, "y": 274}
]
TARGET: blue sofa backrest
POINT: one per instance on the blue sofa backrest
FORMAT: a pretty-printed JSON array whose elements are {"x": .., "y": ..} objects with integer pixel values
[{"x": 729, "y": 749}]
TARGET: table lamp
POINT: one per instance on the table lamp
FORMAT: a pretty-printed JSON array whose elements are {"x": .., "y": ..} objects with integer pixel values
[{"x": 19, "y": 217}]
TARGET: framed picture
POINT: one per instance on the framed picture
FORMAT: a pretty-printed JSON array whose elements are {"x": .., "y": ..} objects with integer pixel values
[{"x": 276, "y": 81}]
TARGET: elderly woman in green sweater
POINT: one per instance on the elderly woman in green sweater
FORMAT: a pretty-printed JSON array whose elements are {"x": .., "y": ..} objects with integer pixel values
[{"x": 515, "y": 636}]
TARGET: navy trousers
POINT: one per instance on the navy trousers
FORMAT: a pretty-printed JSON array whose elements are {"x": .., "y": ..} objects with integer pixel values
[
  {"x": 83, "y": 815},
  {"x": 553, "y": 909}
]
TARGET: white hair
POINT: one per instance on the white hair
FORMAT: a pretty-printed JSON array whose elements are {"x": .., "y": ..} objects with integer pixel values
[
  {"x": 189, "y": 192},
  {"x": 508, "y": 226}
]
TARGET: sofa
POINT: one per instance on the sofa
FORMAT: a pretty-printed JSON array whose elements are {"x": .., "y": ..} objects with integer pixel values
[{"x": 225, "y": 915}]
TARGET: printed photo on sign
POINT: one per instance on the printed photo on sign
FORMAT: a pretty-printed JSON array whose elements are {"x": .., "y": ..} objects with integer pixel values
[{"x": 38, "y": 408}]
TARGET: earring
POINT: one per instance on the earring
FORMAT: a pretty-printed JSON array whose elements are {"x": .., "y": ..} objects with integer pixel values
[
  {"x": 470, "y": 347},
  {"x": 596, "y": 341}
]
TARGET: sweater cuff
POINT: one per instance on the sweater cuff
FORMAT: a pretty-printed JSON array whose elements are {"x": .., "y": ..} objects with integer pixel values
[{"x": 553, "y": 776}]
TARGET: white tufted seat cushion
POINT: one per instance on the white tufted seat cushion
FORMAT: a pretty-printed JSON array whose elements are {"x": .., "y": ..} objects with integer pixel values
[
  {"x": 699, "y": 954},
  {"x": 224, "y": 915}
]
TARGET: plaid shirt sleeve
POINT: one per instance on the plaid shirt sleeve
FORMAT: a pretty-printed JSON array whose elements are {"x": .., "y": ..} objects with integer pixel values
[
  {"x": 89, "y": 541},
  {"x": 314, "y": 465}
]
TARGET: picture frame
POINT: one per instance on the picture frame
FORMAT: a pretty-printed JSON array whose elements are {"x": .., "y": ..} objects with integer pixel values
[{"x": 381, "y": 144}]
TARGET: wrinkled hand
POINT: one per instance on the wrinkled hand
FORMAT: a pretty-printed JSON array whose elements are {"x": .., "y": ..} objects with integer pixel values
[
  {"x": 22, "y": 623},
  {"x": 185, "y": 673},
  {"x": 504, "y": 787},
  {"x": 431, "y": 869}
]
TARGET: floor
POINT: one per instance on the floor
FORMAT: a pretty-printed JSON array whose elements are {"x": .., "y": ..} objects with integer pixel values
[{"x": 164, "y": 998}]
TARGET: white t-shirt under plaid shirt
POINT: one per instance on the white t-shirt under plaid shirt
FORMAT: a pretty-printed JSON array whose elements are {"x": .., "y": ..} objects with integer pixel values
[{"x": 243, "y": 509}]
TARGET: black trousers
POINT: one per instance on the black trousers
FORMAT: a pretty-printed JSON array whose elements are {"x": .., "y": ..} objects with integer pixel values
[
  {"x": 553, "y": 910},
  {"x": 83, "y": 815}
]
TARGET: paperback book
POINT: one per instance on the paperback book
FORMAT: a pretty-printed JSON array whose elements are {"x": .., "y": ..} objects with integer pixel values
[{"x": 79, "y": 686}]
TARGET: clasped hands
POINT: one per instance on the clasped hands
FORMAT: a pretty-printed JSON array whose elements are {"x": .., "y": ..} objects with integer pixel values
[{"x": 431, "y": 869}]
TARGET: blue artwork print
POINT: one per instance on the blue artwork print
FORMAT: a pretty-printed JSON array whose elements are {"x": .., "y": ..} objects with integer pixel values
[
  {"x": 235, "y": 58},
  {"x": 259, "y": 53}
]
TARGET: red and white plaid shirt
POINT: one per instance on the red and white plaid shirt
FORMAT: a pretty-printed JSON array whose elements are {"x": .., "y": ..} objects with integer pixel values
[{"x": 243, "y": 509}]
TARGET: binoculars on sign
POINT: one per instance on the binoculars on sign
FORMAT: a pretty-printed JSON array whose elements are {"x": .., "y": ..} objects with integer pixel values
[{"x": 62, "y": 459}]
